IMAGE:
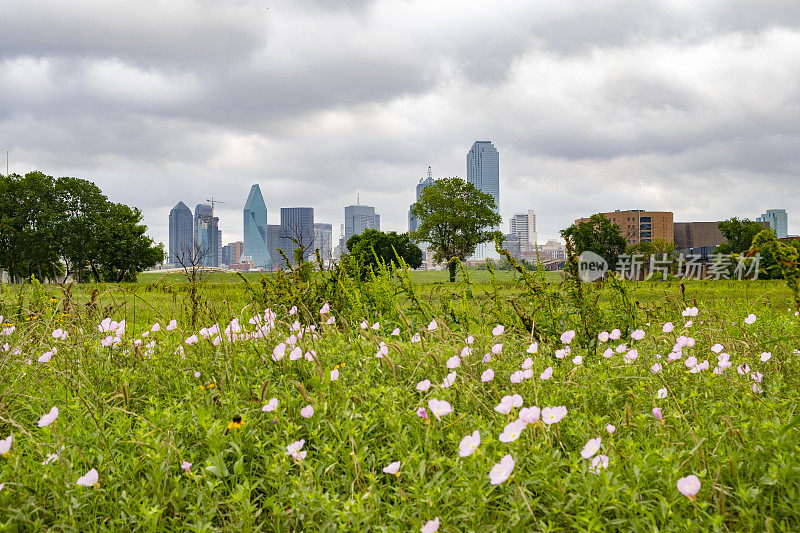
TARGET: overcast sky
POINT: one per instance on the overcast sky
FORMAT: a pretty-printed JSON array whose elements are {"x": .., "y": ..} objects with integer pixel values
[{"x": 688, "y": 106}]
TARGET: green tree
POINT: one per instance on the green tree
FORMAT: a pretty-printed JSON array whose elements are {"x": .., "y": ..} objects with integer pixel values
[
  {"x": 454, "y": 217},
  {"x": 598, "y": 235},
  {"x": 739, "y": 234},
  {"x": 85, "y": 212},
  {"x": 124, "y": 248},
  {"x": 374, "y": 247}
]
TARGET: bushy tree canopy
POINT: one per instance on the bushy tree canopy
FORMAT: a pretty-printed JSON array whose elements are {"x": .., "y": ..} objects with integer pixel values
[
  {"x": 66, "y": 226},
  {"x": 738, "y": 233},
  {"x": 598, "y": 235},
  {"x": 373, "y": 247}
]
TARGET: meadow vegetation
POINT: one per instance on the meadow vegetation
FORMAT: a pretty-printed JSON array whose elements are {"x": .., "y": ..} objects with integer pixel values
[{"x": 321, "y": 401}]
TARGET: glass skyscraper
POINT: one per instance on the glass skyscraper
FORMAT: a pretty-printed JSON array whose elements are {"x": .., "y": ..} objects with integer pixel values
[
  {"x": 483, "y": 171},
  {"x": 778, "y": 221},
  {"x": 207, "y": 235},
  {"x": 256, "y": 245},
  {"x": 357, "y": 218},
  {"x": 180, "y": 233},
  {"x": 297, "y": 230},
  {"x": 412, "y": 220}
]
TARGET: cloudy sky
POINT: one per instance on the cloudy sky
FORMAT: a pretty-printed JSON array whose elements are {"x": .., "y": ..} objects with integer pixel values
[{"x": 690, "y": 106}]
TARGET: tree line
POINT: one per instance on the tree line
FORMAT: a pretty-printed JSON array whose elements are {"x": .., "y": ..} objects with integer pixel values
[{"x": 54, "y": 228}]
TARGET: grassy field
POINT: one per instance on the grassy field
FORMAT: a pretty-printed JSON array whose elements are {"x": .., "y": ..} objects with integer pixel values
[{"x": 200, "y": 428}]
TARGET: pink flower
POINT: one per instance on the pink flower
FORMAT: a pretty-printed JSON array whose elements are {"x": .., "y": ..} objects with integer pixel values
[
  {"x": 529, "y": 415},
  {"x": 415, "y": 338},
  {"x": 45, "y": 357},
  {"x": 743, "y": 369},
  {"x": 615, "y": 334},
  {"x": 307, "y": 411},
  {"x": 497, "y": 348},
  {"x": 453, "y": 362},
  {"x": 395, "y": 332},
  {"x": 172, "y": 325},
  {"x": 334, "y": 374},
  {"x": 691, "y": 362},
  {"x": 637, "y": 335},
  {"x": 424, "y": 385},
  {"x": 598, "y": 463},
  {"x": 517, "y": 377},
  {"x": 59, "y": 334},
  {"x": 431, "y": 526},
  {"x": 498, "y": 330},
  {"x": 432, "y": 326},
  {"x": 690, "y": 311},
  {"x": 470, "y": 339},
  {"x": 331, "y": 320},
  {"x": 751, "y": 318},
  {"x": 364, "y": 324},
  {"x": 592, "y": 447},
  {"x": 578, "y": 359},
  {"x": 89, "y": 479},
  {"x": 325, "y": 309},
  {"x": 657, "y": 413},
  {"x": 527, "y": 363},
  {"x": 689, "y": 486},
  {"x": 5, "y": 444},
  {"x": 608, "y": 353},
  {"x": 717, "y": 348},
  {"x": 109, "y": 340},
  {"x": 488, "y": 375},
  {"x": 293, "y": 310},
  {"x": 610, "y": 428},
  {"x": 656, "y": 368},
  {"x": 765, "y": 356},
  {"x": 294, "y": 450},
  {"x": 512, "y": 431},
  {"x": 466, "y": 351},
  {"x": 567, "y": 336},
  {"x": 486, "y": 358},
  {"x": 603, "y": 336},
  {"x": 668, "y": 327},
  {"x": 279, "y": 352},
  {"x": 270, "y": 406},
  {"x": 296, "y": 353},
  {"x": 533, "y": 348},
  {"x": 662, "y": 393},
  {"x": 439, "y": 408},
  {"x": 392, "y": 468},
  {"x": 376, "y": 326},
  {"x": 469, "y": 444},
  {"x": 553, "y": 415},
  {"x": 449, "y": 379},
  {"x": 502, "y": 470},
  {"x": 187, "y": 466},
  {"x": 547, "y": 374},
  {"x": 422, "y": 413},
  {"x": 49, "y": 418}
]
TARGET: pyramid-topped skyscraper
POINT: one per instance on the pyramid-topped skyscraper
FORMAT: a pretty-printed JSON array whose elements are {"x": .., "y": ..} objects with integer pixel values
[{"x": 255, "y": 229}]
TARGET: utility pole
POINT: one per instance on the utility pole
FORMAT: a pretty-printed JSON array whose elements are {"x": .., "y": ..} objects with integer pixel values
[{"x": 215, "y": 251}]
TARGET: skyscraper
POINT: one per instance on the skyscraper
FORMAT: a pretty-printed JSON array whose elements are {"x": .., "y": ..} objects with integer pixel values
[
  {"x": 778, "y": 221},
  {"x": 357, "y": 218},
  {"x": 523, "y": 225},
  {"x": 206, "y": 235},
  {"x": 412, "y": 220},
  {"x": 483, "y": 171},
  {"x": 297, "y": 230},
  {"x": 256, "y": 245},
  {"x": 323, "y": 240},
  {"x": 180, "y": 233}
]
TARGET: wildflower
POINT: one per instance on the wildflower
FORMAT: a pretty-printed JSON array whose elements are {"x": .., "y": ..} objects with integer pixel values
[
  {"x": 172, "y": 325},
  {"x": 52, "y": 457},
  {"x": 395, "y": 332},
  {"x": 756, "y": 388},
  {"x": 376, "y": 326},
  {"x": 657, "y": 414},
  {"x": 453, "y": 362},
  {"x": 553, "y": 415},
  {"x": 89, "y": 479},
  {"x": 656, "y": 368},
  {"x": 717, "y": 348},
  {"x": 235, "y": 423},
  {"x": 422, "y": 413},
  {"x": 196, "y": 374},
  {"x": 393, "y": 468},
  {"x": 668, "y": 327},
  {"x": 691, "y": 362},
  {"x": 449, "y": 380},
  {"x": 49, "y": 418},
  {"x": 751, "y": 318},
  {"x": 603, "y": 336},
  {"x": 498, "y": 330},
  {"x": 615, "y": 334},
  {"x": 431, "y": 526},
  {"x": 561, "y": 354},
  {"x": 466, "y": 351},
  {"x": 497, "y": 348},
  {"x": 577, "y": 360},
  {"x": 469, "y": 444},
  {"x": 688, "y": 324},
  {"x": 432, "y": 326},
  {"x": 45, "y": 357},
  {"x": 59, "y": 334},
  {"x": 424, "y": 385},
  {"x": 598, "y": 463},
  {"x": 637, "y": 335},
  {"x": 364, "y": 324},
  {"x": 487, "y": 375},
  {"x": 486, "y": 358},
  {"x": 567, "y": 336},
  {"x": 270, "y": 406},
  {"x": 592, "y": 447},
  {"x": 109, "y": 340},
  {"x": 186, "y": 466},
  {"x": 294, "y": 450},
  {"x": 610, "y": 428},
  {"x": 190, "y": 340},
  {"x": 529, "y": 415},
  {"x": 325, "y": 309},
  {"x": 334, "y": 374},
  {"x": 279, "y": 352},
  {"x": 743, "y": 369},
  {"x": 757, "y": 377},
  {"x": 293, "y": 310},
  {"x": 502, "y": 470},
  {"x": 439, "y": 408},
  {"x": 547, "y": 374},
  {"x": 689, "y": 486},
  {"x": 766, "y": 356},
  {"x": 307, "y": 411},
  {"x": 690, "y": 311},
  {"x": 416, "y": 338},
  {"x": 5, "y": 445},
  {"x": 331, "y": 320},
  {"x": 608, "y": 353},
  {"x": 512, "y": 431},
  {"x": 296, "y": 353},
  {"x": 621, "y": 348},
  {"x": 662, "y": 393}
]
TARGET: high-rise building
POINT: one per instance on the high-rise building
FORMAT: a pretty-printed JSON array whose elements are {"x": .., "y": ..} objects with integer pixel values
[
  {"x": 412, "y": 220},
  {"x": 297, "y": 230},
  {"x": 778, "y": 220},
  {"x": 180, "y": 233},
  {"x": 523, "y": 225},
  {"x": 638, "y": 225},
  {"x": 275, "y": 243},
  {"x": 256, "y": 246},
  {"x": 323, "y": 240},
  {"x": 483, "y": 171},
  {"x": 232, "y": 253},
  {"x": 357, "y": 218},
  {"x": 206, "y": 235}
]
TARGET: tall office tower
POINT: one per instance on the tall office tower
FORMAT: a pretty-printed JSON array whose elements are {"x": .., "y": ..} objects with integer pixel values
[
  {"x": 357, "y": 218},
  {"x": 180, "y": 232},
  {"x": 523, "y": 225},
  {"x": 275, "y": 243},
  {"x": 412, "y": 220},
  {"x": 323, "y": 240},
  {"x": 206, "y": 235},
  {"x": 778, "y": 220},
  {"x": 256, "y": 246},
  {"x": 483, "y": 171},
  {"x": 297, "y": 230},
  {"x": 231, "y": 253}
]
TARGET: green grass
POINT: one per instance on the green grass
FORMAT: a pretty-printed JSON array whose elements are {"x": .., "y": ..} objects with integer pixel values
[{"x": 135, "y": 413}]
